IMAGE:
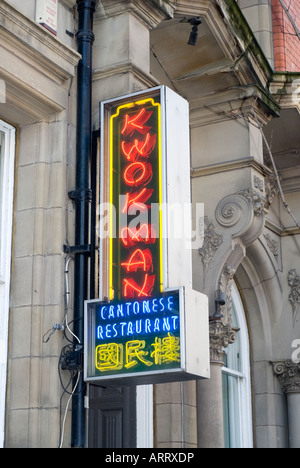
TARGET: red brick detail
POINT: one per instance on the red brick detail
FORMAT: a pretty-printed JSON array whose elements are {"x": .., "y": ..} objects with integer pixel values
[{"x": 286, "y": 41}]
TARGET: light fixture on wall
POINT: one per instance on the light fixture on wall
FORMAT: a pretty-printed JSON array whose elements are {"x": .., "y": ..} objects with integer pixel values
[{"x": 195, "y": 22}]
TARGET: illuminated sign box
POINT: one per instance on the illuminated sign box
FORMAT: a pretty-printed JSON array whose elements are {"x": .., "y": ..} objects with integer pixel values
[
  {"x": 145, "y": 341},
  {"x": 148, "y": 325},
  {"x": 145, "y": 194}
]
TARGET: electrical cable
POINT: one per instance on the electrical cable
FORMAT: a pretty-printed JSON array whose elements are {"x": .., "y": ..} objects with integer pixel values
[
  {"x": 282, "y": 196},
  {"x": 66, "y": 411},
  {"x": 287, "y": 11}
]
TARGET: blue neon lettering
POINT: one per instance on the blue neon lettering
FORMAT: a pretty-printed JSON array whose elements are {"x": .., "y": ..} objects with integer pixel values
[
  {"x": 138, "y": 326},
  {"x": 161, "y": 301},
  {"x": 175, "y": 322},
  {"x": 128, "y": 304},
  {"x": 157, "y": 325},
  {"x": 108, "y": 331},
  {"x": 170, "y": 303},
  {"x": 115, "y": 330},
  {"x": 136, "y": 308},
  {"x": 102, "y": 313},
  {"x": 111, "y": 314},
  {"x": 146, "y": 307},
  {"x": 100, "y": 333},
  {"x": 130, "y": 329},
  {"x": 120, "y": 312},
  {"x": 154, "y": 305},
  {"x": 166, "y": 324},
  {"x": 123, "y": 325},
  {"x": 147, "y": 326}
]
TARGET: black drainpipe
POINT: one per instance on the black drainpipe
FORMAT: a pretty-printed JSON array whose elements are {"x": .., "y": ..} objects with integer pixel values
[{"x": 82, "y": 198}]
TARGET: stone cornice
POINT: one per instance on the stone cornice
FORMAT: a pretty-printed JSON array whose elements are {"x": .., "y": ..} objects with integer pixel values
[
  {"x": 285, "y": 88},
  {"x": 230, "y": 166},
  {"x": 288, "y": 373},
  {"x": 37, "y": 43},
  {"x": 35, "y": 67},
  {"x": 151, "y": 12}
]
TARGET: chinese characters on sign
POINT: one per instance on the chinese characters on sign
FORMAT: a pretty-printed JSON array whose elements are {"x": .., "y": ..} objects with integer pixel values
[
  {"x": 135, "y": 193},
  {"x": 135, "y": 336}
]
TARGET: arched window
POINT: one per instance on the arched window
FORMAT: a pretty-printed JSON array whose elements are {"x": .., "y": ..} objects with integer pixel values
[{"x": 237, "y": 402}]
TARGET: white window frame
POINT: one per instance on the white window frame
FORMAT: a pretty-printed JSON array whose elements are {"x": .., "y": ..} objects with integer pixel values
[
  {"x": 243, "y": 377},
  {"x": 144, "y": 412},
  {"x": 7, "y": 196}
]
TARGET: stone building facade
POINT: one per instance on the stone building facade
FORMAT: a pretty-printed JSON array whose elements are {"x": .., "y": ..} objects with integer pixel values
[{"x": 241, "y": 81}]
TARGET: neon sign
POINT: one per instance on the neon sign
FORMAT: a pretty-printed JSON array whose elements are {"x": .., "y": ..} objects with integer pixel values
[
  {"x": 149, "y": 325},
  {"x": 137, "y": 335},
  {"x": 135, "y": 187}
]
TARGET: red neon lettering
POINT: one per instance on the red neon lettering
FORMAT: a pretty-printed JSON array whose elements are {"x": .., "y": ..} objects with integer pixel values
[
  {"x": 137, "y": 200},
  {"x": 138, "y": 173},
  {"x": 139, "y": 148},
  {"x": 136, "y": 123},
  {"x": 145, "y": 234},
  {"x": 132, "y": 289},
  {"x": 139, "y": 260}
]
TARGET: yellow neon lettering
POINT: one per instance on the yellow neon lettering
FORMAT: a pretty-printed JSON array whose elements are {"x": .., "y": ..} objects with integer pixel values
[
  {"x": 109, "y": 357},
  {"x": 135, "y": 353},
  {"x": 166, "y": 350}
]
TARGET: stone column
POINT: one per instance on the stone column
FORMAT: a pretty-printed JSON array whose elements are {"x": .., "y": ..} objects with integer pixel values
[
  {"x": 288, "y": 373},
  {"x": 209, "y": 392}
]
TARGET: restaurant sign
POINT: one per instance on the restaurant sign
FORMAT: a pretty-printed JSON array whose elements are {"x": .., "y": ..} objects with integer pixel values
[
  {"x": 148, "y": 324},
  {"x": 142, "y": 341}
]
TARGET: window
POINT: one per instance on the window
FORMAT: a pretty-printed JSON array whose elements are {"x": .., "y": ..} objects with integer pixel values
[
  {"x": 237, "y": 383},
  {"x": 7, "y": 149},
  {"x": 7, "y": 153},
  {"x": 2, "y": 150}
]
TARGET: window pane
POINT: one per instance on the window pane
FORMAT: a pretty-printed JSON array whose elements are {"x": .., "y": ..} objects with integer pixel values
[
  {"x": 2, "y": 141},
  {"x": 232, "y": 423},
  {"x": 234, "y": 350},
  {"x": 237, "y": 382}
]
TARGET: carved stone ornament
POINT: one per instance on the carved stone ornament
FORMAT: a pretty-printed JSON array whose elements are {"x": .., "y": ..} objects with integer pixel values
[
  {"x": 272, "y": 190},
  {"x": 212, "y": 242},
  {"x": 257, "y": 200},
  {"x": 221, "y": 336},
  {"x": 243, "y": 214},
  {"x": 288, "y": 373},
  {"x": 273, "y": 246},
  {"x": 294, "y": 297},
  {"x": 225, "y": 286}
]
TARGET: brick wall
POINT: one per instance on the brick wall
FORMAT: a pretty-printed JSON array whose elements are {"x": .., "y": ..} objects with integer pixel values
[{"x": 286, "y": 41}]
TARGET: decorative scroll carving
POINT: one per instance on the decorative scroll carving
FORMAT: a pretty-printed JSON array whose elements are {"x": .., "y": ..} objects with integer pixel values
[
  {"x": 255, "y": 199},
  {"x": 212, "y": 242},
  {"x": 289, "y": 375},
  {"x": 294, "y": 297},
  {"x": 229, "y": 212},
  {"x": 243, "y": 213}
]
